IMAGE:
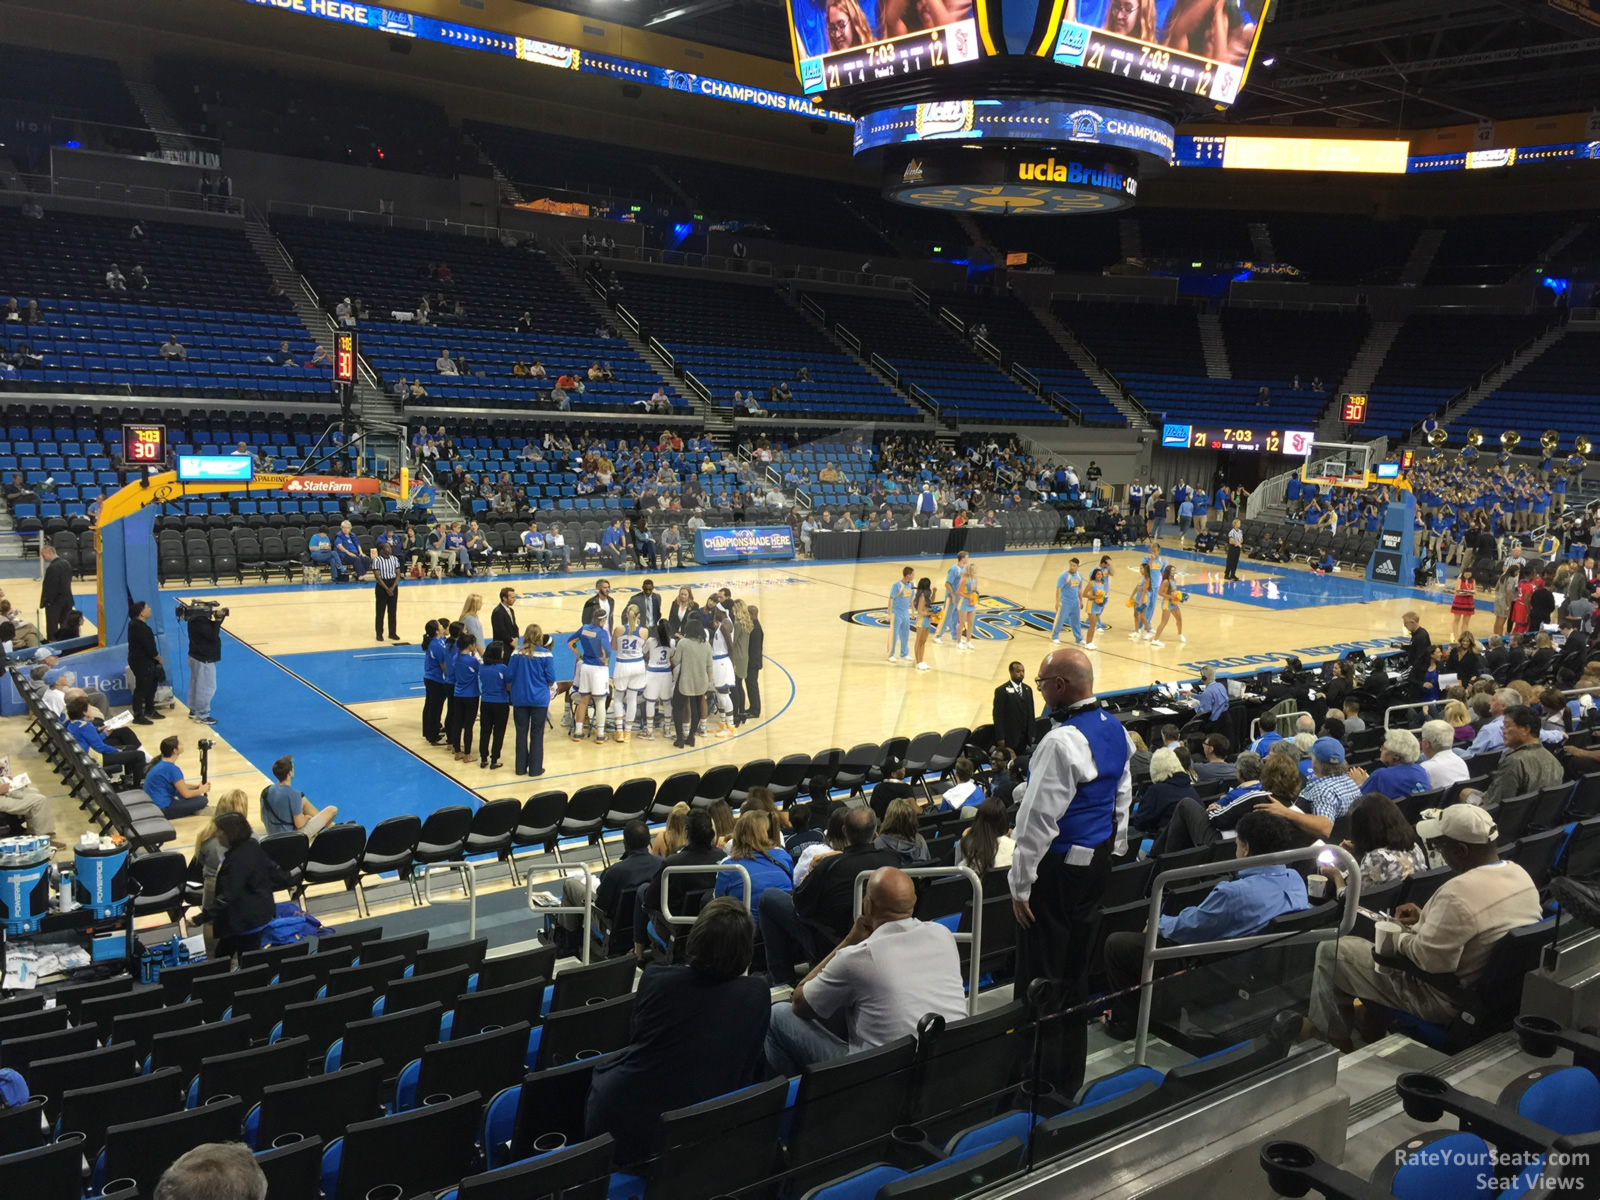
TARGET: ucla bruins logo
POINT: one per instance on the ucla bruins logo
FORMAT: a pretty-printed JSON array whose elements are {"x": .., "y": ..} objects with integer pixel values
[{"x": 996, "y": 620}]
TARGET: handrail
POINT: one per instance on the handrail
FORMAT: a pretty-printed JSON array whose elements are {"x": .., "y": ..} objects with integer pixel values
[
  {"x": 919, "y": 394},
  {"x": 683, "y": 258},
  {"x": 697, "y": 387},
  {"x": 1349, "y": 868},
  {"x": 587, "y": 911},
  {"x": 132, "y": 195},
  {"x": 972, "y": 938},
  {"x": 987, "y": 348},
  {"x": 811, "y": 306},
  {"x": 1269, "y": 492},
  {"x": 712, "y": 868},
  {"x": 469, "y": 884},
  {"x": 843, "y": 333},
  {"x": 1071, "y": 409},
  {"x": 628, "y": 319},
  {"x": 921, "y": 296},
  {"x": 884, "y": 367},
  {"x": 1026, "y": 377},
  {"x": 662, "y": 353},
  {"x": 955, "y": 322}
]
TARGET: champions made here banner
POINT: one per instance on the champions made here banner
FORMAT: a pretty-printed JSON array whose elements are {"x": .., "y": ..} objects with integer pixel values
[{"x": 743, "y": 544}]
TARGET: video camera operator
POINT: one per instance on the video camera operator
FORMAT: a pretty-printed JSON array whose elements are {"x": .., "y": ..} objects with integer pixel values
[{"x": 204, "y": 618}]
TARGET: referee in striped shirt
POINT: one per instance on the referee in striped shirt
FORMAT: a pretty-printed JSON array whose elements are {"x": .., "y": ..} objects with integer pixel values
[{"x": 386, "y": 587}]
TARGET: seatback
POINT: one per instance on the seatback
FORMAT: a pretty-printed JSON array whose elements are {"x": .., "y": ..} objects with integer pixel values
[
  {"x": 850, "y": 1100},
  {"x": 719, "y": 1146},
  {"x": 423, "y": 1150},
  {"x": 576, "y": 987},
  {"x": 596, "y": 1028},
  {"x": 320, "y": 1105},
  {"x": 142, "y": 1150},
  {"x": 477, "y": 1011},
  {"x": 483, "y": 1063}
]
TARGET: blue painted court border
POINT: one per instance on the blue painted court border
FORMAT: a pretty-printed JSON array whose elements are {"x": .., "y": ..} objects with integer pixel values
[{"x": 339, "y": 758}]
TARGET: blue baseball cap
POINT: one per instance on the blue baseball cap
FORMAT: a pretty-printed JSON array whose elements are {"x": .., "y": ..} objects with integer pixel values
[{"x": 1328, "y": 750}]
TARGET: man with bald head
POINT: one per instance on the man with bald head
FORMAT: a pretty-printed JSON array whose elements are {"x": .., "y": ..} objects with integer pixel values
[
  {"x": 1073, "y": 818},
  {"x": 890, "y": 971}
]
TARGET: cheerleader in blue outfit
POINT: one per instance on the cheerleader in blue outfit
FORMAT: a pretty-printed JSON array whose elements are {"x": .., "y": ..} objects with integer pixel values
[
  {"x": 533, "y": 674},
  {"x": 494, "y": 704},
  {"x": 1098, "y": 593},
  {"x": 464, "y": 697}
]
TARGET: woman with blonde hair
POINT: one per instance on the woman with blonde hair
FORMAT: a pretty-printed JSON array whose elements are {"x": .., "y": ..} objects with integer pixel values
[
  {"x": 761, "y": 799},
  {"x": 674, "y": 836},
  {"x": 846, "y": 25},
  {"x": 722, "y": 817},
  {"x": 1459, "y": 718},
  {"x": 470, "y": 621},
  {"x": 209, "y": 849},
  {"x": 768, "y": 865},
  {"x": 739, "y": 654}
]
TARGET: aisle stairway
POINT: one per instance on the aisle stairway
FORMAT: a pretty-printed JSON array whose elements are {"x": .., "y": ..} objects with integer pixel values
[
  {"x": 1498, "y": 377},
  {"x": 1104, "y": 381},
  {"x": 1213, "y": 346},
  {"x": 1364, "y": 368}
]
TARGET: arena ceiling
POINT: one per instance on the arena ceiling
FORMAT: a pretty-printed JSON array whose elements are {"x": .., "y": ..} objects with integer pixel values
[{"x": 1402, "y": 64}]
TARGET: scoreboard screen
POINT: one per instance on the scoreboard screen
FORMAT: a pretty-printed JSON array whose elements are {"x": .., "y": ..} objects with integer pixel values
[
  {"x": 1189, "y": 46},
  {"x": 1354, "y": 409},
  {"x": 1294, "y": 442},
  {"x": 144, "y": 445},
  {"x": 848, "y": 50}
]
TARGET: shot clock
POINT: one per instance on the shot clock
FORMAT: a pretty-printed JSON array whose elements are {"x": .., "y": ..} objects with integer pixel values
[
  {"x": 144, "y": 445},
  {"x": 344, "y": 357}
]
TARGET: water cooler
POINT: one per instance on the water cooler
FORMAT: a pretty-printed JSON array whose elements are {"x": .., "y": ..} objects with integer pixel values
[
  {"x": 24, "y": 883},
  {"x": 100, "y": 878}
]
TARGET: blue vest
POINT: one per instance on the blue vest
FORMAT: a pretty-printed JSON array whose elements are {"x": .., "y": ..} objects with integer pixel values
[{"x": 1091, "y": 818}]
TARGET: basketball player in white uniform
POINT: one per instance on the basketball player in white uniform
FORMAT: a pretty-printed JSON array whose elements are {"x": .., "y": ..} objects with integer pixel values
[
  {"x": 657, "y": 677},
  {"x": 722, "y": 676},
  {"x": 628, "y": 678}
]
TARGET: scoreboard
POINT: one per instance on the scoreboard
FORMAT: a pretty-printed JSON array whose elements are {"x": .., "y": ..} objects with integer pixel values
[
  {"x": 910, "y": 54},
  {"x": 1294, "y": 442},
  {"x": 344, "y": 357},
  {"x": 1354, "y": 409},
  {"x": 144, "y": 445}
]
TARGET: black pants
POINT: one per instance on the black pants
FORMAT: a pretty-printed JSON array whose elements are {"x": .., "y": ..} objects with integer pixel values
[
  {"x": 55, "y": 617},
  {"x": 529, "y": 731},
  {"x": 1124, "y": 962},
  {"x": 1232, "y": 568},
  {"x": 184, "y": 806},
  {"x": 685, "y": 711},
  {"x": 144, "y": 689},
  {"x": 1056, "y": 947},
  {"x": 752, "y": 692},
  {"x": 737, "y": 696},
  {"x": 386, "y": 601},
  {"x": 132, "y": 761},
  {"x": 492, "y": 734},
  {"x": 462, "y": 716},
  {"x": 433, "y": 706}
]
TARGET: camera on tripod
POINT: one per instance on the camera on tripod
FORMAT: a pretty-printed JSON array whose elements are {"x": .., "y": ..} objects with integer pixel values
[
  {"x": 205, "y": 745},
  {"x": 203, "y": 610}
]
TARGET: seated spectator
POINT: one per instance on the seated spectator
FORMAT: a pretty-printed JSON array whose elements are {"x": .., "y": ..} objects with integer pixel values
[
  {"x": 18, "y": 800},
  {"x": 1235, "y": 908},
  {"x": 664, "y": 1067},
  {"x": 1459, "y": 717},
  {"x": 116, "y": 280},
  {"x": 520, "y": 370},
  {"x": 137, "y": 279},
  {"x": 1450, "y": 935},
  {"x": 1382, "y": 841},
  {"x": 801, "y": 833},
  {"x": 1400, "y": 774},
  {"x": 26, "y": 359},
  {"x": 212, "y": 1171},
  {"x": 987, "y": 844},
  {"x": 445, "y": 363},
  {"x": 611, "y": 546},
  {"x": 1440, "y": 762},
  {"x": 1215, "y": 766},
  {"x": 699, "y": 850},
  {"x": 479, "y": 552},
  {"x": 674, "y": 834},
  {"x": 284, "y": 808},
  {"x": 1169, "y": 783},
  {"x": 832, "y": 842},
  {"x": 537, "y": 371},
  {"x": 767, "y": 863},
  {"x": 533, "y": 545},
  {"x": 169, "y": 790},
  {"x": 463, "y": 368},
  {"x": 1526, "y": 765},
  {"x": 131, "y": 760},
  {"x": 1328, "y": 794},
  {"x": 966, "y": 792},
  {"x": 800, "y": 927},
  {"x": 892, "y": 787},
  {"x": 418, "y": 392},
  {"x": 319, "y": 358},
  {"x": 320, "y": 547},
  {"x": 172, "y": 350},
  {"x": 243, "y": 903},
  {"x": 899, "y": 836},
  {"x": 887, "y": 973},
  {"x": 638, "y": 866},
  {"x": 1491, "y": 736}
]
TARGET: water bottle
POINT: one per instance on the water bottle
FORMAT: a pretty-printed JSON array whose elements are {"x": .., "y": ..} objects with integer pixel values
[{"x": 1097, "y": 545}]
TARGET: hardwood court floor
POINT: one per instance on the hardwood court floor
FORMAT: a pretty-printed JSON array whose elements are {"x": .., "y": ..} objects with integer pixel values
[{"x": 826, "y": 681}]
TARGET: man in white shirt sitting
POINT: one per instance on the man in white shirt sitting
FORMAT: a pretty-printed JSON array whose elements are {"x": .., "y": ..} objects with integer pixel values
[
  {"x": 1439, "y": 759},
  {"x": 444, "y": 364},
  {"x": 890, "y": 971}
]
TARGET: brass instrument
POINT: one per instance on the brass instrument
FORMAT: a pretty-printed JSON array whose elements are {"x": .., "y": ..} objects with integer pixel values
[
  {"x": 1474, "y": 438},
  {"x": 1582, "y": 445},
  {"x": 1438, "y": 436},
  {"x": 1549, "y": 440},
  {"x": 1510, "y": 440}
]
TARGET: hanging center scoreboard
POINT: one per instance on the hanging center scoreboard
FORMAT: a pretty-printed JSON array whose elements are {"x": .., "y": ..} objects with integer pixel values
[{"x": 1296, "y": 443}]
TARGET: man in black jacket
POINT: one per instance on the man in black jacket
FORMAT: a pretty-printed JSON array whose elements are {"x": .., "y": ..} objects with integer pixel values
[
  {"x": 1418, "y": 654},
  {"x": 701, "y": 851},
  {"x": 205, "y": 652},
  {"x": 503, "y": 620},
  {"x": 755, "y": 661},
  {"x": 56, "y": 595},
  {"x": 805, "y": 925},
  {"x": 648, "y": 601},
  {"x": 1013, "y": 711},
  {"x": 634, "y": 869}
]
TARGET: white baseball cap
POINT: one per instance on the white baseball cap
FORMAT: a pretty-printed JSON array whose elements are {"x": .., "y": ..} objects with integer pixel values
[{"x": 1465, "y": 823}]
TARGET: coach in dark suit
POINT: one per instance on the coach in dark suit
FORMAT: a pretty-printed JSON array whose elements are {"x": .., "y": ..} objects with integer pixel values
[
  {"x": 1418, "y": 654},
  {"x": 648, "y": 601},
  {"x": 756, "y": 660},
  {"x": 503, "y": 620},
  {"x": 1013, "y": 711},
  {"x": 56, "y": 596}
]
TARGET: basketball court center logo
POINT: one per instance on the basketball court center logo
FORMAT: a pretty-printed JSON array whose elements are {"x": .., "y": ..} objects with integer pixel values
[{"x": 997, "y": 619}]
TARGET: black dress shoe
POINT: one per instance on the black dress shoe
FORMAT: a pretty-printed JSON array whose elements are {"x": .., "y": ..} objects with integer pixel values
[{"x": 143, "y": 721}]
